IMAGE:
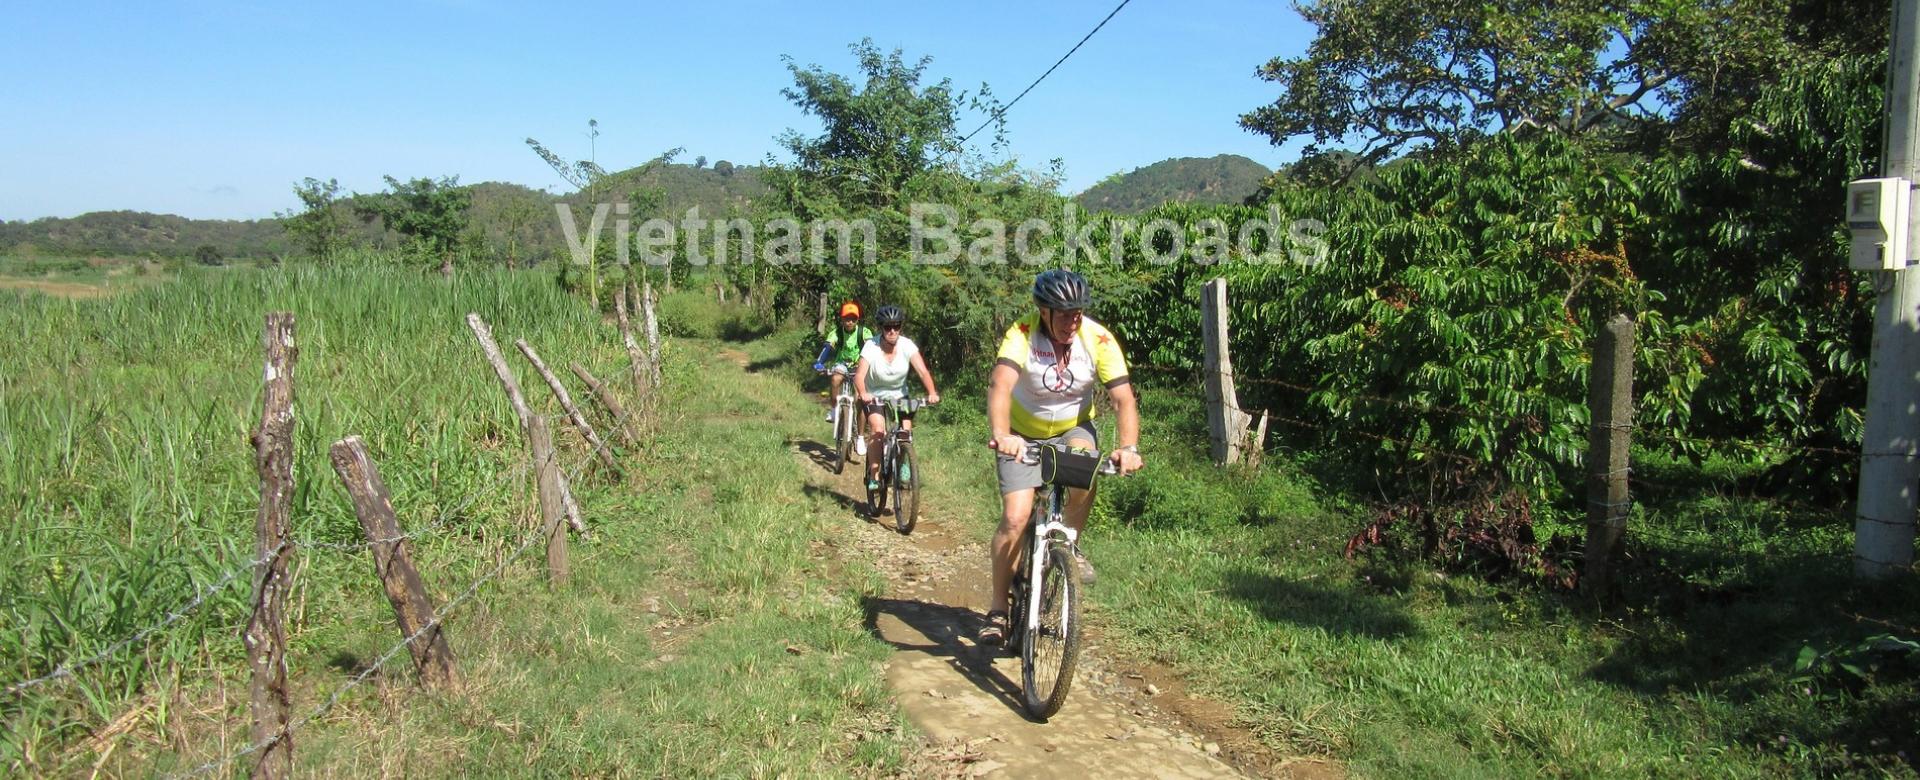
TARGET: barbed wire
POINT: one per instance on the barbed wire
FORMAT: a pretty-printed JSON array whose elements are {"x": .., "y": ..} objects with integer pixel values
[
  {"x": 439, "y": 616},
  {"x": 447, "y": 515},
  {"x": 1486, "y": 416},
  {"x": 1429, "y": 449},
  {"x": 68, "y": 668}
]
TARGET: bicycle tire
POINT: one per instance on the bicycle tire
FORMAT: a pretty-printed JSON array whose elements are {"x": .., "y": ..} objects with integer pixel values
[
  {"x": 877, "y": 497},
  {"x": 842, "y": 436},
  {"x": 1049, "y": 657},
  {"x": 906, "y": 490}
]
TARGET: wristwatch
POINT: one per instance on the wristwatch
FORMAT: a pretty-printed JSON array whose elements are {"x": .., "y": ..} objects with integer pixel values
[{"x": 1133, "y": 448}]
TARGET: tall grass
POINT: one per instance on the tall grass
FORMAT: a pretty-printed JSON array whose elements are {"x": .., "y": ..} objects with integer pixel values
[{"x": 126, "y": 468}]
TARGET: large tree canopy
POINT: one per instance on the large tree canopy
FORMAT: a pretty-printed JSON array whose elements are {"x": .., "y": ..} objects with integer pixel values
[{"x": 1390, "y": 77}]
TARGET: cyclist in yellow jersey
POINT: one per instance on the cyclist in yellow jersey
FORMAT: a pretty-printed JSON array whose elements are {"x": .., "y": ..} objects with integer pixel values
[{"x": 1041, "y": 389}]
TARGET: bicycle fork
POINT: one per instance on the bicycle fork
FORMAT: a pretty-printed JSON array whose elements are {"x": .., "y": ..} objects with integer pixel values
[{"x": 1043, "y": 535}]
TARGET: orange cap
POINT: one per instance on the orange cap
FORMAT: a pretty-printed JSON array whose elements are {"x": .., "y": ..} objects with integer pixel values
[{"x": 850, "y": 309}]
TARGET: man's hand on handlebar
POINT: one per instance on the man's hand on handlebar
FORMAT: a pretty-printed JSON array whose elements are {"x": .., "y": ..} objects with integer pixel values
[
  {"x": 1009, "y": 445},
  {"x": 1127, "y": 460}
]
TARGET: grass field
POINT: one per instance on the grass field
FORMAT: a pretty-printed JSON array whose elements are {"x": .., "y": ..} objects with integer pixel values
[
  {"x": 1404, "y": 669},
  {"x": 710, "y": 628},
  {"x": 124, "y": 454}
]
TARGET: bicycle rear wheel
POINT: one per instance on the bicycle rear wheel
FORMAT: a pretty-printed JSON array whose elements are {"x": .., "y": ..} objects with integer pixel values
[
  {"x": 1048, "y": 656},
  {"x": 906, "y": 488}
]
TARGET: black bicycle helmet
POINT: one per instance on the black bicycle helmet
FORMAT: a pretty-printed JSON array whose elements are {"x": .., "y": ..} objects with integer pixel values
[
  {"x": 1061, "y": 289},
  {"x": 890, "y": 315}
]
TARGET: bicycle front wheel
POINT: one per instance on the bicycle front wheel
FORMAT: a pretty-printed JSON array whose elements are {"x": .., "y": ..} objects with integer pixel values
[
  {"x": 844, "y": 428},
  {"x": 906, "y": 488},
  {"x": 1050, "y": 653}
]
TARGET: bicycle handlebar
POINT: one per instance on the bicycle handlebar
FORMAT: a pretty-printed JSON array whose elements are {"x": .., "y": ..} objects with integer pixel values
[{"x": 1031, "y": 456}]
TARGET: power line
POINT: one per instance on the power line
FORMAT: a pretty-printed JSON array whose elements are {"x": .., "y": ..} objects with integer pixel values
[{"x": 1043, "y": 77}]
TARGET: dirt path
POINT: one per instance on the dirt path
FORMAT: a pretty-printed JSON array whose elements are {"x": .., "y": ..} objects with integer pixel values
[{"x": 1122, "y": 719}]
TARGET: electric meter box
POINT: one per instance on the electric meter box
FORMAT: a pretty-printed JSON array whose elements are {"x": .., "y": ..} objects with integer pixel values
[{"x": 1877, "y": 214}]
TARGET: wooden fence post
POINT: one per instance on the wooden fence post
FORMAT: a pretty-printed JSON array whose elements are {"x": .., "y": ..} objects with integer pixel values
[
  {"x": 621, "y": 423},
  {"x": 823, "y": 322},
  {"x": 566, "y": 402},
  {"x": 1610, "y": 406},
  {"x": 484, "y": 335},
  {"x": 636, "y": 358},
  {"x": 653, "y": 335},
  {"x": 412, "y": 607},
  {"x": 266, "y": 637},
  {"x": 1257, "y": 444},
  {"x": 1226, "y": 423},
  {"x": 546, "y": 467}
]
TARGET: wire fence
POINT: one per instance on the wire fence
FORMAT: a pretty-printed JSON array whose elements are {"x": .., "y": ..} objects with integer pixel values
[
  {"x": 1645, "y": 531},
  {"x": 532, "y": 538},
  {"x": 202, "y": 596},
  {"x": 68, "y": 668}
]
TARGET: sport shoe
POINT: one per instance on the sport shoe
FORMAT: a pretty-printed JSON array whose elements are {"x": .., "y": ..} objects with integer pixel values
[
  {"x": 860, "y": 446},
  {"x": 995, "y": 630},
  {"x": 829, "y": 416},
  {"x": 873, "y": 485},
  {"x": 906, "y": 472},
  {"x": 1086, "y": 568}
]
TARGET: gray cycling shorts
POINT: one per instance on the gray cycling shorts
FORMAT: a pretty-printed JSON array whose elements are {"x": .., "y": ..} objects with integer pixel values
[{"x": 1015, "y": 475}]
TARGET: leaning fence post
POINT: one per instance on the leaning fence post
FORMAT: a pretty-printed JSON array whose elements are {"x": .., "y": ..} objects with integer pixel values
[
  {"x": 637, "y": 359},
  {"x": 546, "y": 469},
  {"x": 621, "y": 422},
  {"x": 822, "y": 323},
  {"x": 1226, "y": 423},
  {"x": 1610, "y": 405},
  {"x": 566, "y": 402},
  {"x": 412, "y": 607},
  {"x": 653, "y": 334},
  {"x": 266, "y": 637},
  {"x": 484, "y": 335}
]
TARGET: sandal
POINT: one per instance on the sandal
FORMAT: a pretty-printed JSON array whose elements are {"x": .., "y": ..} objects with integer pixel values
[{"x": 995, "y": 631}]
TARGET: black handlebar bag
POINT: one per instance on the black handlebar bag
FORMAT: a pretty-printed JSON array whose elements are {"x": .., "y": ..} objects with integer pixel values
[{"x": 1067, "y": 468}]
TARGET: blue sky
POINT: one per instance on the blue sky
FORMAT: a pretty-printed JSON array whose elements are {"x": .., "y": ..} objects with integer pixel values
[{"x": 214, "y": 109}]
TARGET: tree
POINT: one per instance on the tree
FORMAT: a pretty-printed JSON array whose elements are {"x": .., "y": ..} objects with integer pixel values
[
  {"x": 586, "y": 176},
  {"x": 723, "y": 168},
  {"x": 878, "y": 134},
  {"x": 1398, "y": 77},
  {"x": 700, "y": 162},
  {"x": 431, "y": 214},
  {"x": 207, "y": 254},
  {"x": 317, "y": 227}
]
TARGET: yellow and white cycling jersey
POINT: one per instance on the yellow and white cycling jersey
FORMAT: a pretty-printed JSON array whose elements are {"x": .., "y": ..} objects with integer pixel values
[{"x": 1053, "y": 395}]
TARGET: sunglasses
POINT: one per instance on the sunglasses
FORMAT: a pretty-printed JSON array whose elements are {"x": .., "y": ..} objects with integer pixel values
[{"x": 894, "y": 326}]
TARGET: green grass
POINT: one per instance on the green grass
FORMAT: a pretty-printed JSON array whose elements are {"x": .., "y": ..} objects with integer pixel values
[
  {"x": 123, "y": 425},
  {"x": 1396, "y": 668}
]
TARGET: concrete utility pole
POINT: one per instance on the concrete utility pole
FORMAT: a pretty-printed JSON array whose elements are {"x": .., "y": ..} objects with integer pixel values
[{"x": 1890, "y": 447}]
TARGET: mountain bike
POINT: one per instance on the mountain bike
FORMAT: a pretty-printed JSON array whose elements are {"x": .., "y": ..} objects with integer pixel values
[
  {"x": 897, "y": 472},
  {"x": 846, "y": 421},
  {"x": 1045, "y": 625}
]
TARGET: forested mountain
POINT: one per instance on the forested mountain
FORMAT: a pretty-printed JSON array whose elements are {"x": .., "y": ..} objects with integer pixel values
[
  {"x": 507, "y": 220},
  {"x": 1223, "y": 179}
]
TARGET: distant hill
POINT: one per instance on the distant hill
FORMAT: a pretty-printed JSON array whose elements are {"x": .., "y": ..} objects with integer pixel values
[
  {"x": 508, "y": 220},
  {"x": 713, "y": 188},
  {"x": 1227, "y": 178},
  {"x": 140, "y": 233}
]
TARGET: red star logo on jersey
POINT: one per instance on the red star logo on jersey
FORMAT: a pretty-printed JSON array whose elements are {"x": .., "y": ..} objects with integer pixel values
[
  {"x": 1103, "y": 339},
  {"x": 1025, "y": 329}
]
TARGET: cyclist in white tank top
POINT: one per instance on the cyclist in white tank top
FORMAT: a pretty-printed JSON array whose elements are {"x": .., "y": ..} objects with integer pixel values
[{"x": 881, "y": 375}]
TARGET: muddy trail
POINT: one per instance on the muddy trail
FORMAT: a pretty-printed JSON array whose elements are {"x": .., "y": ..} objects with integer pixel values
[{"x": 1123, "y": 718}]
